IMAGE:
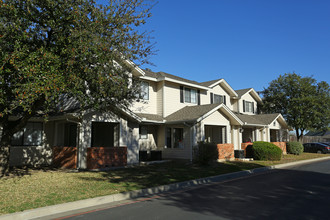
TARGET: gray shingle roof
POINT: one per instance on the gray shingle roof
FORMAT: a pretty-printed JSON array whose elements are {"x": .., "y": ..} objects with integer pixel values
[
  {"x": 262, "y": 119},
  {"x": 163, "y": 74},
  {"x": 150, "y": 117},
  {"x": 208, "y": 83},
  {"x": 190, "y": 113},
  {"x": 241, "y": 92}
]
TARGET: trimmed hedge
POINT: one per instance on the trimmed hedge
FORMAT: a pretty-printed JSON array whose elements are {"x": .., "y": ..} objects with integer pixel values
[
  {"x": 294, "y": 147},
  {"x": 266, "y": 151},
  {"x": 206, "y": 153}
]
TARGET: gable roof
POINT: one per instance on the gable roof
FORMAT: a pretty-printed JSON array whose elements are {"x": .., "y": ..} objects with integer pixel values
[
  {"x": 252, "y": 92},
  {"x": 209, "y": 83},
  {"x": 150, "y": 117},
  {"x": 241, "y": 92},
  {"x": 200, "y": 112},
  {"x": 162, "y": 76},
  {"x": 261, "y": 119}
]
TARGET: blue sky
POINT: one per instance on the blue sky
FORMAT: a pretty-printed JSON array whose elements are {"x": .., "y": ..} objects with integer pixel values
[{"x": 246, "y": 42}]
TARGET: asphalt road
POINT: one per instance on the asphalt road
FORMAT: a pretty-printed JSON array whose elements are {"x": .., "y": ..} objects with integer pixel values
[{"x": 301, "y": 192}]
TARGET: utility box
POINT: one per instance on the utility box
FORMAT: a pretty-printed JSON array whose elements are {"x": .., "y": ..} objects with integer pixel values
[{"x": 239, "y": 154}]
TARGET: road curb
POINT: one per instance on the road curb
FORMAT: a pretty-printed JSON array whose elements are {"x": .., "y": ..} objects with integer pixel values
[{"x": 81, "y": 204}]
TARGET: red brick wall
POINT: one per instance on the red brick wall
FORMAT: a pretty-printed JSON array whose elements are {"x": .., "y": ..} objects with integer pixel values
[
  {"x": 226, "y": 151},
  {"x": 102, "y": 157},
  {"x": 281, "y": 145},
  {"x": 65, "y": 157}
]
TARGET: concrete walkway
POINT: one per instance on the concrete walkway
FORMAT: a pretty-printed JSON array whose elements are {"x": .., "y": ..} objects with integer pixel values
[{"x": 66, "y": 207}]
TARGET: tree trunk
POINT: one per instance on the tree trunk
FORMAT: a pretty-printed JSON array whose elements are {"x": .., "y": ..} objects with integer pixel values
[{"x": 4, "y": 160}]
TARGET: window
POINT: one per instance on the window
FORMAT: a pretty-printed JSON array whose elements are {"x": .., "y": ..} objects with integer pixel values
[
  {"x": 174, "y": 138},
  {"x": 248, "y": 106},
  {"x": 217, "y": 98},
  {"x": 144, "y": 91},
  {"x": 143, "y": 132},
  {"x": 105, "y": 134},
  {"x": 190, "y": 95},
  {"x": 31, "y": 135}
]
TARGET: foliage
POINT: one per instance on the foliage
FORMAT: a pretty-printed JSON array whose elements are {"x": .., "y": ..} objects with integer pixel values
[
  {"x": 304, "y": 103},
  {"x": 266, "y": 151},
  {"x": 294, "y": 147},
  {"x": 78, "y": 48},
  {"x": 205, "y": 153}
]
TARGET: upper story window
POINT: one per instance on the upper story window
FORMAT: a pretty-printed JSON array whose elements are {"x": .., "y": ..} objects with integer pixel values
[
  {"x": 189, "y": 95},
  {"x": 31, "y": 135},
  {"x": 215, "y": 98},
  {"x": 248, "y": 106},
  {"x": 144, "y": 91}
]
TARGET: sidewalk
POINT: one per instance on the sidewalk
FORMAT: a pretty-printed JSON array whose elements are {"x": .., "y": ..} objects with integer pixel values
[{"x": 66, "y": 207}]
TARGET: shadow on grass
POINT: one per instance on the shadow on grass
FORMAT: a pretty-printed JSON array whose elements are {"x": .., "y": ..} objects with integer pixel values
[{"x": 167, "y": 173}]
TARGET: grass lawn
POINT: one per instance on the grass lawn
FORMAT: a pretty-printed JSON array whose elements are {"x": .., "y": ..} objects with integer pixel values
[{"x": 38, "y": 188}]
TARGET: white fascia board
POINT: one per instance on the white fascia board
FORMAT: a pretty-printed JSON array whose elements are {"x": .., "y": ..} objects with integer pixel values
[
  {"x": 152, "y": 121},
  {"x": 149, "y": 78},
  {"x": 281, "y": 119},
  {"x": 255, "y": 95},
  {"x": 132, "y": 114},
  {"x": 136, "y": 69},
  {"x": 186, "y": 83},
  {"x": 254, "y": 125},
  {"x": 227, "y": 86}
]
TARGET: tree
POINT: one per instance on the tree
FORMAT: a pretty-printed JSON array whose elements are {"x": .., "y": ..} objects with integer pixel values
[
  {"x": 304, "y": 103},
  {"x": 74, "y": 47}
]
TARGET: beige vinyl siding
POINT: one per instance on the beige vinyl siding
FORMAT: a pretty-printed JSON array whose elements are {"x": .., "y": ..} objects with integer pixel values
[
  {"x": 172, "y": 98},
  {"x": 249, "y": 98},
  {"x": 147, "y": 106},
  {"x": 159, "y": 104},
  {"x": 216, "y": 118},
  {"x": 218, "y": 90}
]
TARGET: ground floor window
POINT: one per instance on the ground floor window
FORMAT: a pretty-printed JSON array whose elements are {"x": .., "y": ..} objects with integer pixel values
[
  {"x": 105, "y": 134},
  {"x": 174, "y": 138},
  {"x": 31, "y": 135}
]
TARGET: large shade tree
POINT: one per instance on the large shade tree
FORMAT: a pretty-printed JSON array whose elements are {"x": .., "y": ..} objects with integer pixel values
[
  {"x": 303, "y": 102},
  {"x": 49, "y": 48}
]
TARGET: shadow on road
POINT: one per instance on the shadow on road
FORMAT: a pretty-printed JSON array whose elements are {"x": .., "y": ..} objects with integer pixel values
[{"x": 280, "y": 194}]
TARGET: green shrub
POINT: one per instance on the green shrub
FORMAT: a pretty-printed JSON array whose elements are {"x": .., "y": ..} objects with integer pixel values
[
  {"x": 294, "y": 147},
  {"x": 205, "y": 153},
  {"x": 266, "y": 151}
]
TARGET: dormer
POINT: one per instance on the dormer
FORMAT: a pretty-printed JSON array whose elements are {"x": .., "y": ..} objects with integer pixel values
[
  {"x": 248, "y": 101},
  {"x": 220, "y": 92}
]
